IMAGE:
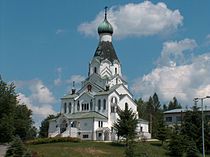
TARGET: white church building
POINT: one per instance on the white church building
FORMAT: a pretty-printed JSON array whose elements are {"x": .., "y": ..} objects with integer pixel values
[{"x": 90, "y": 112}]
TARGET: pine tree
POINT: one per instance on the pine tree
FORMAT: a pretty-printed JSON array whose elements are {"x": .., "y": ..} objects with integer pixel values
[
  {"x": 17, "y": 149},
  {"x": 191, "y": 149},
  {"x": 126, "y": 127},
  {"x": 162, "y": 133}
]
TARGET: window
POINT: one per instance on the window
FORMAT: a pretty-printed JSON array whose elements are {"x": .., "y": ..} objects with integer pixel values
[
  {"x": 65, "y": 106},
  {"x": 95, "y": 70},
  {"x": 85, "y": 107},
  {"x": 178, "y": 118},
  {"x": 116, "y": 80},
  {"x": 112, "y": 109},
  {"x": 114, "y": 100},
  {"x": 168, "y": 119},
  {"x": 78, "y": 106},
  {"x": 69, "y": 107},
  {"x": 104, "y": 104},
  {"x": 141, "y": 129},
  {"x": 85, "y": 136},
  {"x": 126, "y": 105},
  {"x": 100, "y": 124},
  {"x": 91, "y": 104},
  {"x": 99, "y": 104},
  {"x": 115, "y": 70}
]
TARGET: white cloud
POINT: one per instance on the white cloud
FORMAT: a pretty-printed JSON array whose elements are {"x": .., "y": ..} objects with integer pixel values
[
  {"x": 184, "y": 81},
  {"x": 40, "y": 100},
  {"x": 41, "y": 94},
  {"x": 173, "y": 52},
  {"x": 137, "y": 19}
]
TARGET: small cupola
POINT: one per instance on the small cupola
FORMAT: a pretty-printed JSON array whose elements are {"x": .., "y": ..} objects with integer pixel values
[{"x": 105, "y": 27}]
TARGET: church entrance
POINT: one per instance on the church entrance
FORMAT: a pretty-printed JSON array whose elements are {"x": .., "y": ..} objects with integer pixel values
[{"x": 63, "y": 126}]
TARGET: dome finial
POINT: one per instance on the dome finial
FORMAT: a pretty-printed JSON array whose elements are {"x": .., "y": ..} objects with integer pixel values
[{"x": 105, "y": 9}]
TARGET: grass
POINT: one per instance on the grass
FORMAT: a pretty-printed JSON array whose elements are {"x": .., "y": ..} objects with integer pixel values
[{"x": 96, "y": 149}]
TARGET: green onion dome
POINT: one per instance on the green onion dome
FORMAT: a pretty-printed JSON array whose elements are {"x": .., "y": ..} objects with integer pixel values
[{"x": 105, "y": 27}]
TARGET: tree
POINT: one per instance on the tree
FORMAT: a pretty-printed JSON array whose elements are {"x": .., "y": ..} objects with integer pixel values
[
  {"x": 174, "y": 104},
  {"x": 192, "y": 128},
  {"x": 191, "y": 149},
  {"x": 162, "y": 133},
  {"x": 151, "y": 111},
  {"x": 45, "y": 126},
  {"x": 17, "y": 149},
  {"x": 126, "y": 127},
  {"x": 176, "y": 145},
  {"x": 8, "y": 103},
  {"x": 23, "y": 122},
  {"x": 15, "y": 119}
]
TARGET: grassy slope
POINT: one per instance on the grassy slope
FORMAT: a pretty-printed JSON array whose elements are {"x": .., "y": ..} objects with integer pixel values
[{"x": 95, "y": 149}]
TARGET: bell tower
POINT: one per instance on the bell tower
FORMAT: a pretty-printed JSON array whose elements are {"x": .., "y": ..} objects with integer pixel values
[{"x": 105, "y": 62}]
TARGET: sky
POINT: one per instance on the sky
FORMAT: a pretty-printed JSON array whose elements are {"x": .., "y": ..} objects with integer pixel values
[{"x": 163, "y": 47}]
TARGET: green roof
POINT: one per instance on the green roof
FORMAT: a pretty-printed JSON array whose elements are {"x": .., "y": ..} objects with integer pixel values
[
  {"x": 84, "y": 115},
  {"x": 105, "y": 27}
]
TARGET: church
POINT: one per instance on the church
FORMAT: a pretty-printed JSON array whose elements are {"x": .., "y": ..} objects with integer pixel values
[{"x": 90, "y": 112}]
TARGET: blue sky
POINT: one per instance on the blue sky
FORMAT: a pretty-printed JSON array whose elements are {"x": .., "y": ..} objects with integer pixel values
[{"x": 163, "y": 46}]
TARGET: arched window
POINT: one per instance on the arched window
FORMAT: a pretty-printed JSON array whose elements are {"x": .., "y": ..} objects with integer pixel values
[
  {"x": 104, "y": 104},
  {"x": 114, "y": 100},
  {"x": 78, "y": 106},
  {"x": 95, "y": 70},
  {"x": 65, "y": 107},
  {"x": 99, "y": 104},
  {"x": 69, "y": 107},
  {"x": 115, "y": 70}
]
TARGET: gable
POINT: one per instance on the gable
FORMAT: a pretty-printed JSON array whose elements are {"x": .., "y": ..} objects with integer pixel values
[{"x": 123, "y": 90}]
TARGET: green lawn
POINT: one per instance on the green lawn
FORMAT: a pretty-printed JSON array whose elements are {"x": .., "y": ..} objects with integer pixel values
[{"x": 96, "y": 149}]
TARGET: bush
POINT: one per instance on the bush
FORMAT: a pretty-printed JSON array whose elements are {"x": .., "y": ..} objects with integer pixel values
[
  {"x": 17, "y": 149},
  {"x": 53, "y": 140}
]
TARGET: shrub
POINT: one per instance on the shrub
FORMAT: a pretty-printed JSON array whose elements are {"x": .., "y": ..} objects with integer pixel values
[
  {"x": 53, "y": 140},
  {"x": 17, "y": 149}
]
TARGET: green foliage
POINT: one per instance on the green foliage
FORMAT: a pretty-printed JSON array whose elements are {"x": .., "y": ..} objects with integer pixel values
[
  {"x": 172, "y": 105},
  {"x": 126, "y": 123},
  {"x": 23, "y": 122},
  {"x": 6, "y": 128},
  {"x": 176, "y": 146},
  {"x": 126, "y": 127},
  {"x": 52, "y": 140},
  {"x": 15, "y": 119},
  {"x": 151, "y": 111},
  {"x": 45, "y": 126},
  {"x": 7, "y": 109},
  {"x": 192, "y": 128},
  {"x": 191, "y": 149},
  {"x": 17, "y": 149},
  {"x": 162, "y": 133}
]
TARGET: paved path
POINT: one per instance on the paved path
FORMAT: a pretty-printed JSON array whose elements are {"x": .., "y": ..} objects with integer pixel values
[{"x": 3, "y": 149}]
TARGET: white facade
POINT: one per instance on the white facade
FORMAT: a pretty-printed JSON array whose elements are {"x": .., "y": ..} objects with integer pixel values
[{"x": 90, "y": 112}]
